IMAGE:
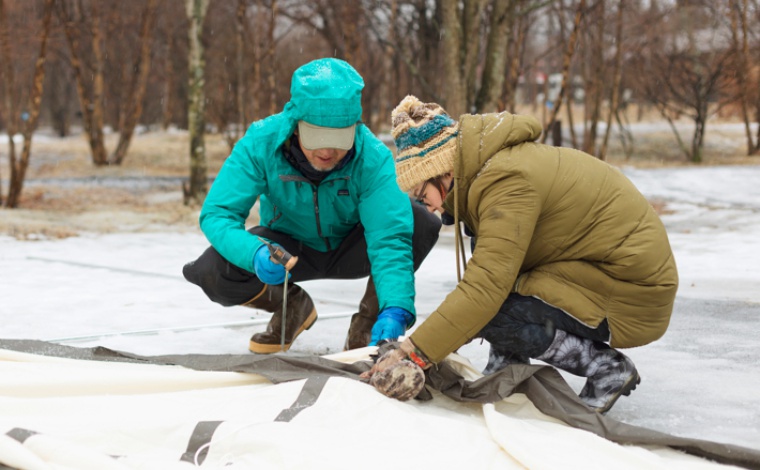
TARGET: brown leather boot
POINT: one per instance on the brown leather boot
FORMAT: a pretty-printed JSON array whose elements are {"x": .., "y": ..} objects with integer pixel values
[
  {"x": 360, "y": 331},
  {"x": 299, "y": 316}
]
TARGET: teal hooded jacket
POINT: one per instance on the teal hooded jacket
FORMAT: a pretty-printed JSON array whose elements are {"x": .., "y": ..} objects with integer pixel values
[{"x": 325, "y": 92}]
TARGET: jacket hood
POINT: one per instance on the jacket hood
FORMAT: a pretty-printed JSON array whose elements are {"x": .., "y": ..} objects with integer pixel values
[
  {"x": 483, "y": 135},
  {"x": 327, "y": 93}
]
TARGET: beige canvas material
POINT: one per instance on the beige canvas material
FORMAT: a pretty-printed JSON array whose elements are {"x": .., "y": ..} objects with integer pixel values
[{"x": 78, "y": 413}]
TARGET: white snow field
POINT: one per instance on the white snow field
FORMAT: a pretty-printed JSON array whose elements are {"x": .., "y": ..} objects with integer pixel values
[{"x": 701, "y": 380}]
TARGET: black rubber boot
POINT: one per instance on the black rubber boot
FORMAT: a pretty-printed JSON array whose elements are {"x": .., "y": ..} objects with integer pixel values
[
  {"x": 610, "y": 373},
  {"x": 360, "y": 330},
  {"x": 300, "y": 315}
]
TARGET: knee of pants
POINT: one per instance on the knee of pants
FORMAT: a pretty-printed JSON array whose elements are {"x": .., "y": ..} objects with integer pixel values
[
  {"x": 526, "y": 339},
  {"x": 216, "y": 288}
]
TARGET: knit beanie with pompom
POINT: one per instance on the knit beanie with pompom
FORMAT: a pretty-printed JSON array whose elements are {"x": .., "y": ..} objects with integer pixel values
[{"x": 426, "y": 143}]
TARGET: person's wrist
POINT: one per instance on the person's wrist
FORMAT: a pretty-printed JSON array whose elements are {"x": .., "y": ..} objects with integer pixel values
[{"x": 414, "y": 354}]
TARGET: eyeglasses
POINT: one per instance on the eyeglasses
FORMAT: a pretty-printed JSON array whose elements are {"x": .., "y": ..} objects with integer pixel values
[{"x": 419, "y": 198}]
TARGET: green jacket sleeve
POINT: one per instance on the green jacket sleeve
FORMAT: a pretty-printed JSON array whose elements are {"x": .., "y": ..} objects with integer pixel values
[
  {"x": 232, "y": 195},
  {"x": 386, "y": 215}
]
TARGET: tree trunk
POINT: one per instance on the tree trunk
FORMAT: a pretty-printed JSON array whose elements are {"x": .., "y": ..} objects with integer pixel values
[
  {"x": 517, "y": 49},
  {"x": 739, "y": 22},
  {"x": 240, "y": 51},
  {"x": 91, "y": 106},
  {"x": 166, "y": 112},
  {"x": 452, "y": 62},
  {"x": 10, "y": 108},
  {"x": 565, "y": 68},
  {"x": 59, "y": 95},
  {"x": 594, "y": 102},
  {"x": 502, "y": 25},
  {"x": 197, "y": 188},
  {"x": 272, "y": 62},
  {"x": 698, "y": 138},
  {"x": 257, "y": 59},
  {"x": 571, "y": 124},
  {"x": 96, "y": 137},
  {"x": 616, "y": 78},
  {"x": 18, "y": 168},
  {"x": 470, "y": 49},
  {"x": 133, "y": 102},
  {"x": 390, "y": 85}
]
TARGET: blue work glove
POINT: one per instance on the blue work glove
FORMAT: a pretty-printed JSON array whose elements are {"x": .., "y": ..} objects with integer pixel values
[
  {"x": 267, "y": 270},
  {"x": 390, "y": 324}
]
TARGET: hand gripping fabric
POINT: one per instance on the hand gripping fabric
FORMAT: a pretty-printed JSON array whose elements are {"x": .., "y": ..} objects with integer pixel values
[{"x": 403, "y": 380}]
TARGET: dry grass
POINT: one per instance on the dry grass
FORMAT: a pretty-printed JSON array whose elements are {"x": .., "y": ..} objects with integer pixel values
[
  {"x": 150, "y": 154},
  {"x": 52, "y": 208}
]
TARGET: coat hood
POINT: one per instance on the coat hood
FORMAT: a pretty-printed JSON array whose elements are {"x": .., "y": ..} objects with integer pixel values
[
  {"x": 327, "y": 93},
  {"x": 323, "y": 92},
  {"x": 482, "y": 135}
]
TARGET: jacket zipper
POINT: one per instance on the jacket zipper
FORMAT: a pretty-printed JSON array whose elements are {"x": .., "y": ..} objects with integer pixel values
[
  {"x": 315, "y": 193},
  {"x": 277, "y": 215},
  {"x": 315, "y": 201}
]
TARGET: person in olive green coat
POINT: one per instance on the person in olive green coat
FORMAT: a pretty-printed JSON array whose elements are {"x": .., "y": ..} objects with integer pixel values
[
  {"x": 327, "y": 193},
  {"x": 570, "y": 261}
]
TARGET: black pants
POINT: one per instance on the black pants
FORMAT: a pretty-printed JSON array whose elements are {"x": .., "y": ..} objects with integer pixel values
[
  {"x": 227, "y": 284},
  {"x": 525, "y": 326}
]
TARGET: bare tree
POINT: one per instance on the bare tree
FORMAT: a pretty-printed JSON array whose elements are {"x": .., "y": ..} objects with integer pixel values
[
  {"x": 89, "y": 76},
  {"x": 196, "y": 189},
  {"x": 18, "y": 166},
  {"x": 59, "y": 99},
  {"x": 133, "y": 100},
  {"x": 685, "y": 75},
  {"x": 272, "y": 76},
  {"x": 90, "y": 39},
  {"x": 594, "y": 75},
  {"x": 616, "y": 78},
  {"x": 502, "y": 17},
  {"x": 516, "y": 51},
  {"x": 344, "y": 28},
  {"x": 168, "y": 93},
  {"x": 745, "y": 85},
  {"x": 461, "y": 47},
  {"x": 408, "y": 33},
  {"x": 568, "y": 56},
  {"x": 477, "y": 37},
  {"x": 240, "y": 49}
]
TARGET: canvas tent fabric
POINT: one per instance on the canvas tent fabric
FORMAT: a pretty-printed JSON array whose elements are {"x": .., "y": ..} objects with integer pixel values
[{"x": 94, "y": 408}]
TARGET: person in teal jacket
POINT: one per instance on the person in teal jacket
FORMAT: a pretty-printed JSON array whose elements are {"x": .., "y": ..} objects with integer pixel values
[{"x": 327, "y": 193}]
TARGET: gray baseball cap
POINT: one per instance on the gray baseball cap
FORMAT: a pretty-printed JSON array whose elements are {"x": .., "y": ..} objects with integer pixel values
[{"x": 318, "y": 137}]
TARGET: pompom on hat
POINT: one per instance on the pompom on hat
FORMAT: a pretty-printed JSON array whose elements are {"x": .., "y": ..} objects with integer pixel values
[{"x": 426, "y": 143}]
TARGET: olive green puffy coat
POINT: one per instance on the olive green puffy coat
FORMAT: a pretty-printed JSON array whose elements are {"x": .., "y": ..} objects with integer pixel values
[{"x": 557, "y": 224}]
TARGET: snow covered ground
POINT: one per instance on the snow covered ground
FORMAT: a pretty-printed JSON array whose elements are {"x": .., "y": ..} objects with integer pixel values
[{"x": 126, "y": 291}]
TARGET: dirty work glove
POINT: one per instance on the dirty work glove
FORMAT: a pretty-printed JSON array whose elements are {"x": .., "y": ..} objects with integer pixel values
[
  {"x": 390, "y": 324},
  {"x": 268, "y": 271},
  {"x": 396, "y": 375}
]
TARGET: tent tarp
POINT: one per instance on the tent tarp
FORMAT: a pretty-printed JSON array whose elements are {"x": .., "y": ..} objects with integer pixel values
[{"x": 74, "y": 408}]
